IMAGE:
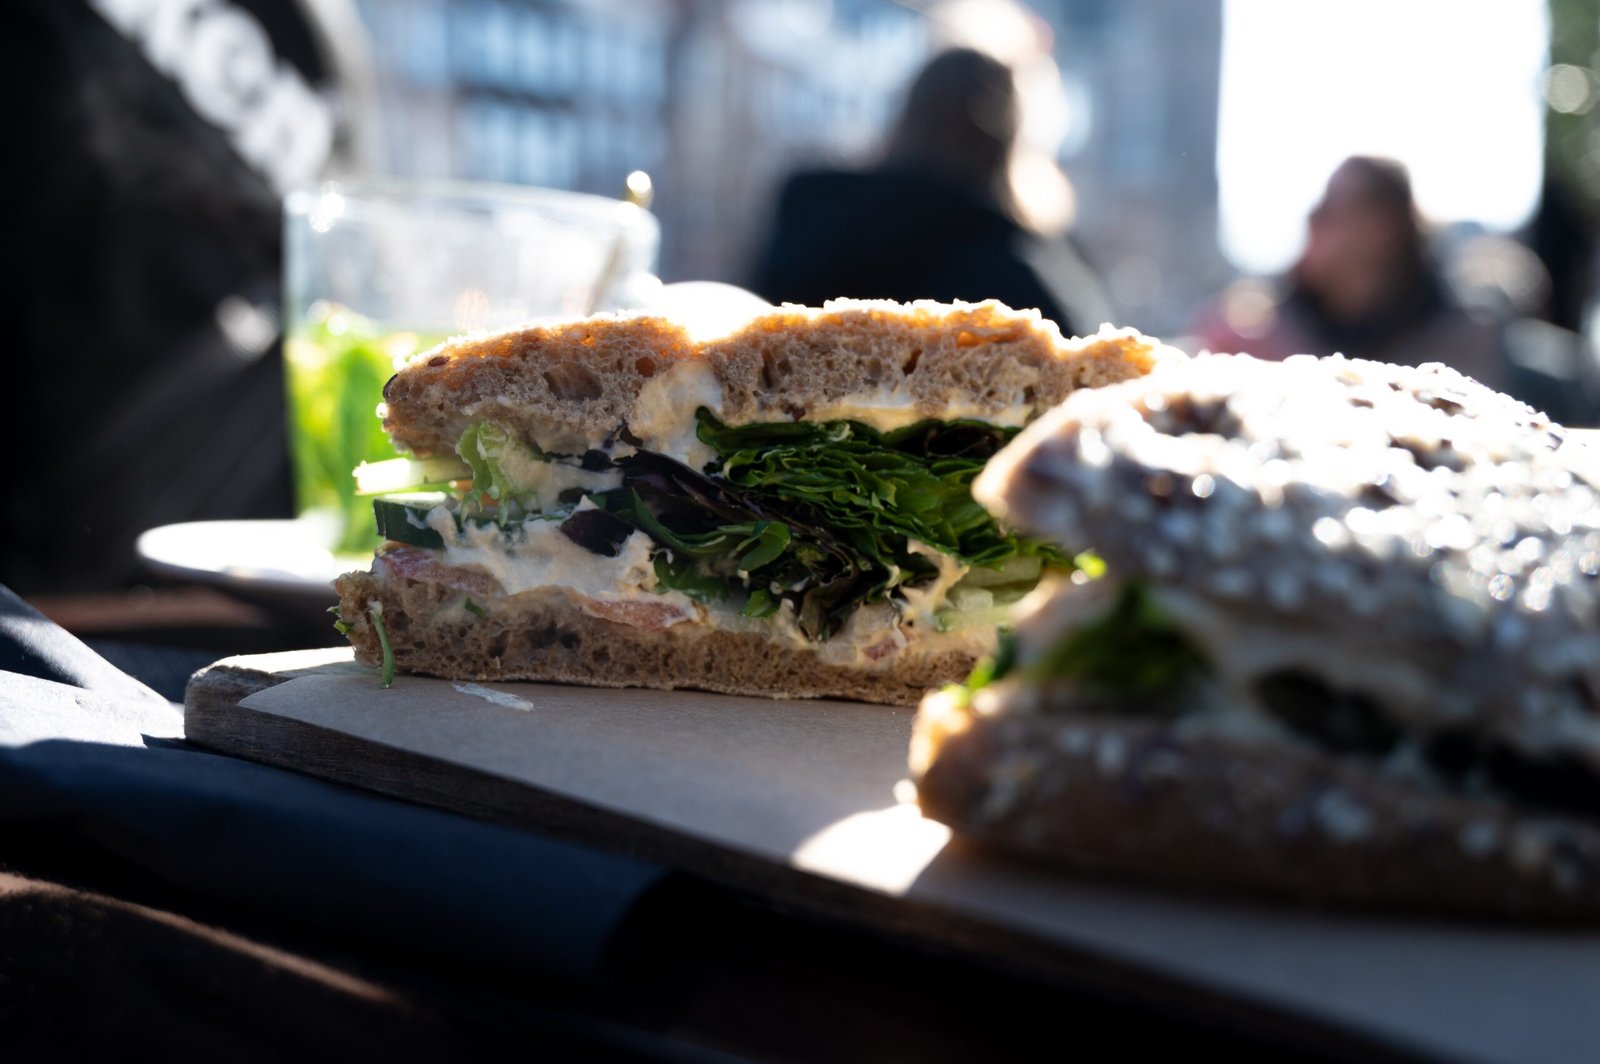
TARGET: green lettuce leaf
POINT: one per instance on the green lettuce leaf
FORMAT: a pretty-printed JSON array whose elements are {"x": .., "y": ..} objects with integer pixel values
[
  {"x": 878, "y": 489},
  {"x": 494, "y": 456},
  {"x": 1133, "y": 649}
]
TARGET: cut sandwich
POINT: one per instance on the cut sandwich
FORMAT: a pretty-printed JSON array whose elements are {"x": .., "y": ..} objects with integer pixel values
[
  {"x": 782, "y": 511},
  {"x": 1345, "y": 647}
]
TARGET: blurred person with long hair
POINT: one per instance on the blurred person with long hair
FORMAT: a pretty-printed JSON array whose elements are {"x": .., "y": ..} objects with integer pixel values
[
  {"x": 1365, "y": 285},
  {"x": 954, "y": 208}
]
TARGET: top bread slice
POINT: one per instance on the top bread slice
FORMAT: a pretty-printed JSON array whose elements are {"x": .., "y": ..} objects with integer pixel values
[{"x": 567, "y": 385}]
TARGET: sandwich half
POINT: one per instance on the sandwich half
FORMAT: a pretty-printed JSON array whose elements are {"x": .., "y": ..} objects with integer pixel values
[
  {"x": 785, "y": 510},
  {"x": 1345, "y": 646}
]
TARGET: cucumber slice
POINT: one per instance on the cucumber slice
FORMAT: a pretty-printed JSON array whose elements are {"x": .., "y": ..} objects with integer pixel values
[
  {"x": 404, "y": 518},
  {"x": 1020, "y": 569},
  {"x": 401, "y": 474},
  {"x": 988, "y": 617}
]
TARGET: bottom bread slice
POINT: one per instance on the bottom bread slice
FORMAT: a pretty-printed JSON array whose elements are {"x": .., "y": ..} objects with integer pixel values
[
  {"x": 551, "y": 638},
  {"x": 1137, "y": 798}
]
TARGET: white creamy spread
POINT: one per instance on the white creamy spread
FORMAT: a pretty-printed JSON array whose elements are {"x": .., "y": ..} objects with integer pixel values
[
  {"x": 664, "y": 415},
  {"x": 547, "y": 480},
  {"x": 538, "y": 555},
  {"x": 876, "y": 633},
  {"x": 1244, "y": 649},
  {"x": 921, "y": 603},
  {"x": 521, "y": 465}
]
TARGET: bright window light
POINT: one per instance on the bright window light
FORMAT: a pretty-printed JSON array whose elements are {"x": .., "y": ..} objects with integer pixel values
[{"x": 1451, "y": 88}]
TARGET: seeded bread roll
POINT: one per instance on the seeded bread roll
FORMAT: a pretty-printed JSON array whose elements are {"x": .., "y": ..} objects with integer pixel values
[
  {"x": 1379, "y": 587},
  {"x": 1143, "y": 799},
  {"x": 566, "y": 385}
]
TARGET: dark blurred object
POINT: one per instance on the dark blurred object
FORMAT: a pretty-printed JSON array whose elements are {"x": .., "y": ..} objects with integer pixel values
[
  {"x": 161, "y": 634},
  {"x": 1552, "y": 370},
  {"x": 1547, "y": 365},
  {"x": 1562, "y": 234},
  {"x": 149, "y": 145},
  {"x": 159, "y": 902},
  {"x": 940, "y": 217},
  {"x": 1565, "y": 228}
]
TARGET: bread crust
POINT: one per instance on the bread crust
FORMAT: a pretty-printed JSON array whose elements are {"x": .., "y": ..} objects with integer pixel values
[
  {"x": 548, "y": 637},
  {"x": 983, "y": 356},
  {"x": 566, "y": 384},
  {"x": 1137, "y": 798},
  {"x": 553, "y": 383}
]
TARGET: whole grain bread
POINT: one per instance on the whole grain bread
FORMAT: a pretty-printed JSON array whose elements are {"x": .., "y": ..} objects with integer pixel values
[
  {"x": 569, "y": 384},
  {"x": 1137, "y": 799},
  {"x": 561, "y": 384},
  {"x": 983, "y": 359},
  {"x": 549, "y": 637}
]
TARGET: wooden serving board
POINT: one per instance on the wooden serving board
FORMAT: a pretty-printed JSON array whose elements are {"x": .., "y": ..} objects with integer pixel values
[{"x": 799, "y": 800}]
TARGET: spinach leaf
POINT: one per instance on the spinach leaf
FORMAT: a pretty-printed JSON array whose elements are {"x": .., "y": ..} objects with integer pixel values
[
  {"x": 876, "y": 489},
  {"x": 721, "y": 542},
  {"x": 494, "y": 456},
  {"x": 1133, "y": 649}
]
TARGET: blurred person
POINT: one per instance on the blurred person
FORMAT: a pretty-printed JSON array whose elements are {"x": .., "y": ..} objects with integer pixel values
[
  {"x": 955, "y": 208},
  {"x": 150, "y": 143},
  {"x": 1365, "y": 285}
]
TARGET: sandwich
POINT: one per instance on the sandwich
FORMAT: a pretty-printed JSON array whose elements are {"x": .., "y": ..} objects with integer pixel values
[
  {"x": 784, "y": 510},
  {"x": 1344, "y": 646}
]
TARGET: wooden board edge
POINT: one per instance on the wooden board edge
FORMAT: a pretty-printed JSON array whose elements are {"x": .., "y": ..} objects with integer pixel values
[
  {"x": 224, "y": 684},
  {"x": 215, "y": 721}
]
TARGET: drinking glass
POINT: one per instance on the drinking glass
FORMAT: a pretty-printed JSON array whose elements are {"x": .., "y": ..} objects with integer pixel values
[{"x": 377, "y": 271}]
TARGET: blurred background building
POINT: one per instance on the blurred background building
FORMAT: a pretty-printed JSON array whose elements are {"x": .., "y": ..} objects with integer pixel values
[
  {"x": 718, "y": 99},
  {"x": 1196, "y": 133}
]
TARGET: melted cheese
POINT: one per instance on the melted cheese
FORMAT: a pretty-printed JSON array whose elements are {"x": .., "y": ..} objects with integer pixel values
[
  {"x": 664, "y": 415},
  {"x": 895, "y": 408},
  {"x": 889, "y": 409}
]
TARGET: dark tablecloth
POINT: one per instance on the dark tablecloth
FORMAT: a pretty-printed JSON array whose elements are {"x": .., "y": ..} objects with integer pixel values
[{"x": 161, "y": 902}]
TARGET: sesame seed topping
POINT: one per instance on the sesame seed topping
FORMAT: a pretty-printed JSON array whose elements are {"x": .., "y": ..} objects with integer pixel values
[{"x": 1408, "y": 515}]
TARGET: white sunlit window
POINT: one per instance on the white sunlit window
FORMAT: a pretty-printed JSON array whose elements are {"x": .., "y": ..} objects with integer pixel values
[{"x": 1448, "y": 87}]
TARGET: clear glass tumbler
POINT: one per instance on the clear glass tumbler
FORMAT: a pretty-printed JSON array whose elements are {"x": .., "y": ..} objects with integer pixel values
[{"x": 375, "y": 272}]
